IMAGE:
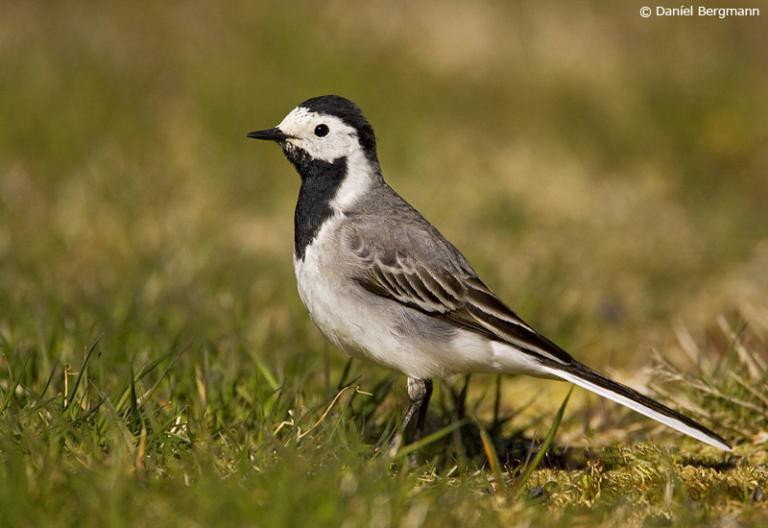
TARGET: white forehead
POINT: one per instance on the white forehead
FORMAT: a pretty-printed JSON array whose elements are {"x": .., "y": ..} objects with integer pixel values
[{"x": 301, "y": 120}]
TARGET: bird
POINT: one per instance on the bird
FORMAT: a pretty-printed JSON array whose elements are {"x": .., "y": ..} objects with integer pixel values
[{"x": 384, "y": 285}]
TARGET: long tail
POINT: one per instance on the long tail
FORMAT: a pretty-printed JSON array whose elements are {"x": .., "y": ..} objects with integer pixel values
[{"x": 587, "y": 378}]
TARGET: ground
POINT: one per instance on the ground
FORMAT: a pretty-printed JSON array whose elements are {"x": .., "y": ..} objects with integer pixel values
[{"x": 604, "y": 173}]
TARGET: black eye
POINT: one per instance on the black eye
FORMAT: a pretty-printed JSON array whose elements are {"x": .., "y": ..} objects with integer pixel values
[{"x": 321, "y": 130}]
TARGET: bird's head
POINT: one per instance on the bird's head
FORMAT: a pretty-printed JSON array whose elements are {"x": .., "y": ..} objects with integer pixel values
[{"x": 323, "y": 129}]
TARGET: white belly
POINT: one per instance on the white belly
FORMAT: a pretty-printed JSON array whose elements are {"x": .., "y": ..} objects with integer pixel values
[{"x": 339, "y": 308}]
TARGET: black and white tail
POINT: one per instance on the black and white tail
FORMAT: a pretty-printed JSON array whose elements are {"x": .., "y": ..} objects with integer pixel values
[{"x": 587, "y": 378}]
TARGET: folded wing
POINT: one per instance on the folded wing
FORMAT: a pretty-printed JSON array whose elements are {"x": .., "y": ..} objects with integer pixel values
[{"x": 441, "y": 284}]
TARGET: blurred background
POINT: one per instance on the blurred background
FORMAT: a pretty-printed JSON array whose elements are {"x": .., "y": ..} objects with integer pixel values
[{"x": 605, "y": 173}]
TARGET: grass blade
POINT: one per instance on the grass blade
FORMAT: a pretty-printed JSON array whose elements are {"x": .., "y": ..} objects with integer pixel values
[
  {"x": 48, "y": 382},
  {"x": 12, "y": 392},
  {"x": 71, "y": 395},
  {"x": 270, "y": 378},
  {"x": 430, "y": 438},
  {"x": 530, "y": 468},
  {"x": 493, "y": 460}
]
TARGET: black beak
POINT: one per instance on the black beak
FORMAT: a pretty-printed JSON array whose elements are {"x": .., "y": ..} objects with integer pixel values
[{"x": 271, "y": 134}]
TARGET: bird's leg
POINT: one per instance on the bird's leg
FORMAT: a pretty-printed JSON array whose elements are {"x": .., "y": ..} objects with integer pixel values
[{"x": 419, "y": 392}]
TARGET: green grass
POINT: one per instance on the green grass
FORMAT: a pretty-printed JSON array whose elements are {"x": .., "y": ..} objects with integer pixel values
[
  {"x": 195, "y": 437},
  {"x": 157, "y": 368}
]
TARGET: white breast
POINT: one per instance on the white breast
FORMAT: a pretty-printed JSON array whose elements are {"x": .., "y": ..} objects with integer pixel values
[
  {"x": 359, "y": 323},
  {"x": 324, "y": 291}
]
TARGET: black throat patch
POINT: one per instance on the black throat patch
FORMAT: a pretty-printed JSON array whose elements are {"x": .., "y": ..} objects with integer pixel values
[{"x": 320, "y": 180}]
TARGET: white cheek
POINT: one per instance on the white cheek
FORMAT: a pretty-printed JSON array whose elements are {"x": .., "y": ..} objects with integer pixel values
[
  {"x": 328, "y": 148},
  {"x": 341, "y": 144},
  {"x": 300, "y": 123}
]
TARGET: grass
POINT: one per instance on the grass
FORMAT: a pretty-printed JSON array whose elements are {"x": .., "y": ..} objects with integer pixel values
[
  {"x": 156, "y": 366},
  {"x": 186, "y": 439}
]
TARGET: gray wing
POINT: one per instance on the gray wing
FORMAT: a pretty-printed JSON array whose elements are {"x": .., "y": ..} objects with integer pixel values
[{"x": 412, "y": 263}]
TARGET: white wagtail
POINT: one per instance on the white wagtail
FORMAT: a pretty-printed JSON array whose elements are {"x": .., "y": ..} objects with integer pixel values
[{"x": 383, "y": 284}]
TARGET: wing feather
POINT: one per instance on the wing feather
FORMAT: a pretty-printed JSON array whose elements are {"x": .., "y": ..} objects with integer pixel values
[{"x": 443, "y": 288}]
